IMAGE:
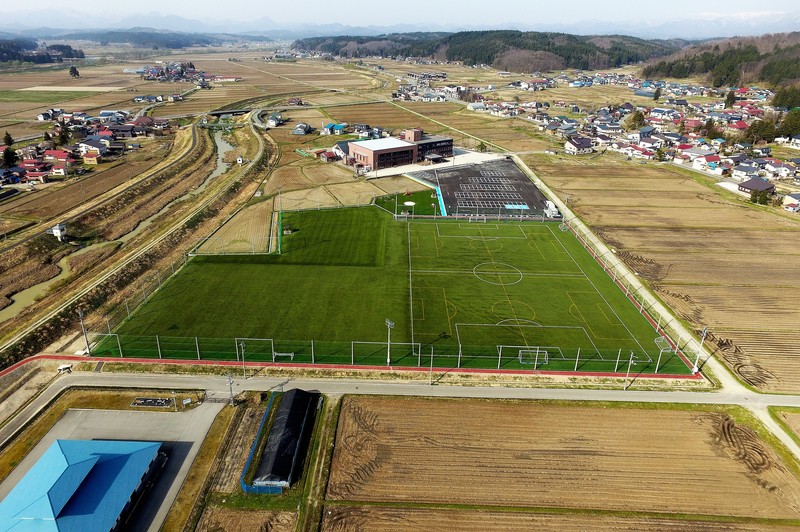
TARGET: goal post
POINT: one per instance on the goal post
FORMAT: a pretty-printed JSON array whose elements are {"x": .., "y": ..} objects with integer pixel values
[
  {"x": 529, "y": 355},
  {"x": 477, "y": 218}
]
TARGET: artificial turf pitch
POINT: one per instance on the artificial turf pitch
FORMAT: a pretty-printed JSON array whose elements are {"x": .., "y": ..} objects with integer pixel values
[{"x": 452, "y": 288}]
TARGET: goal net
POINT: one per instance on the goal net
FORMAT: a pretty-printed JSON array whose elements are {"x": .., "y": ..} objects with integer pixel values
[
  {"x": 533, "y": 355},
  {"x": 539, "y": 355},
  {"x": 477, "y": 218},
  {"x": 563, "y": 226}
]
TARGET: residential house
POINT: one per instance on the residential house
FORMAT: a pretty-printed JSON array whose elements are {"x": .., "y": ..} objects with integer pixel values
[
  {"x": 757, "y": 184},
  {"x": 301, "y": 129},
  {"x": 86, "y": 146},
  {"x": 744, "y": 172},
  {"x": 578, "y": 145}
]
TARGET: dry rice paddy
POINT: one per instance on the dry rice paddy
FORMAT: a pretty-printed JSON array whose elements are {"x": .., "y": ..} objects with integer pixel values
[
  {"x": 523, "y": 455},
  {"x": 717, "y": 261}
]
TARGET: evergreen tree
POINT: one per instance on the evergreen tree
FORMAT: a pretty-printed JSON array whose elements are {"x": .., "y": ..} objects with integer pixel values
[
  {"x": 790, "y": 125},
  {"x": 73, "y": 72},
  {"x": 10, "y": 157},
  {"x": 63, "y": 135},
  {"x": 730, "y": 99},
  {"x": 8, "y": 140},
  {"x": 636, "y": 120},
  {"x": 657, "y": 94}
]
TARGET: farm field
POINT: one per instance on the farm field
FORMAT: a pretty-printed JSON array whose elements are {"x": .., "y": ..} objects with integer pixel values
[
  {"x": 57, "y": 199},
  {"x": 714, "y": 260},
  {"x": 516, "y": 134},
  {"x": 247, "y": 232},
  {"x": 389, "y": 519},
  {"x": 518, "y": 456},
  {"x": 529, "y": 287}
]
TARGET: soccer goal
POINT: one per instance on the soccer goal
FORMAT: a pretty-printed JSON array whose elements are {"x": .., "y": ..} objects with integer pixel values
[
  {"x": 533, "y": 355},
  {"x": 477, "y": 218},
  {"x": 563, "y": 226}
]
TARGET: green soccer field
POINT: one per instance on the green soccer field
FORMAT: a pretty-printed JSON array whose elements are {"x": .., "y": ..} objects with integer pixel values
[{"x": 518, "y": 295}]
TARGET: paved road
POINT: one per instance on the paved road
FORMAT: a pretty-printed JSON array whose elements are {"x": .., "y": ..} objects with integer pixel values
[{"x": 217, "y": 387}]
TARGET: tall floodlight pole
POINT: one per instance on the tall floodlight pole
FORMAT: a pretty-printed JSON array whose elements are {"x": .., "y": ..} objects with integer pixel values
[
  {"x": 244, "y": 371},
  {"x": 85, "y": 336},
  {"x": 696, "y": 367},
  {"x": 389, "y": 327},
  {"x": 627, "y": 373}
]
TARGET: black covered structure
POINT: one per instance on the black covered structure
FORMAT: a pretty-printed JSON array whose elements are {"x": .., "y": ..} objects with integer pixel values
[{"x": 288, "y": 439}]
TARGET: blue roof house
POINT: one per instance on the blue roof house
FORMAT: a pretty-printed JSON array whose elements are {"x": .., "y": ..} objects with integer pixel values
[{"x": 78, "y": 486}]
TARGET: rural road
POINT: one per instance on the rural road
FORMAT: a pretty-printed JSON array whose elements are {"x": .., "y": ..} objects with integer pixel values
[{"x": 217, "y": 388}]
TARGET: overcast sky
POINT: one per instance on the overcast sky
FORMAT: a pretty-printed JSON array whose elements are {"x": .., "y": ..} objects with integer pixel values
[{"x": 450, "y": 14}]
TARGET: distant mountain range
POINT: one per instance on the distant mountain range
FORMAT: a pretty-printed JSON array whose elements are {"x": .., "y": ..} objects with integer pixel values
[{"x": 695, "y": 26}]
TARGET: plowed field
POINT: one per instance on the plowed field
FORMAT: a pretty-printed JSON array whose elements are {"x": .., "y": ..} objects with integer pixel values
[
  {"x": 340, "y": 519},
  {"x": 716, "y": 261},
  {"x": 526, "y": 455}
]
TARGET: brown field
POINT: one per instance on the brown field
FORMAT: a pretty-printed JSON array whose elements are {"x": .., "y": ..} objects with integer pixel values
[
  {"x": 388, "y": 519},
  {"x": 356, "y": 193},
  {"x": 512, "y": 134},
  {"x": 714, "y": 259},
  {"x": 415, "y": 450},
  {"x": 385, "y": 115},
  {"x": 247, "y": 232},
  {"x": 309, "y": 198},
  {"x": 216, "y": 519}
]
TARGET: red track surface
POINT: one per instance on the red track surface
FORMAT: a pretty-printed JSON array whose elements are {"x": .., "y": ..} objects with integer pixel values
[{"x": 336, "y": 367}]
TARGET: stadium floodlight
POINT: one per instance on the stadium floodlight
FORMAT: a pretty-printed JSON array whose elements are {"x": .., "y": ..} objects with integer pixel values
[
  {"x": 696, "y": 367},
  {"x": 389, "y": 327},
  {"x": 627, "y": 373},
  {"x": 85, "y": 336}
]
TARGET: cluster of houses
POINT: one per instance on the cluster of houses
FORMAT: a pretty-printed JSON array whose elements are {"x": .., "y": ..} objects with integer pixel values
[{"x": 94, "y": 139}]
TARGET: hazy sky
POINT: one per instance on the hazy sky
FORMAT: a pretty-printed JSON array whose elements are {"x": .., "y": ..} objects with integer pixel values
[{"x": 470, "y": 13}]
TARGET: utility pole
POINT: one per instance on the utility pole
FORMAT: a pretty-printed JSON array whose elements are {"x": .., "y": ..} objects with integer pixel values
[{"x": 230, "y": 386}]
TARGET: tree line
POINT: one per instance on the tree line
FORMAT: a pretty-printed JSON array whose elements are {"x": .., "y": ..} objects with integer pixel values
[
  {"x": 488, "y": 47},
  {"x": 28, "y": 51},
  {"x": 729, "y": 67}
]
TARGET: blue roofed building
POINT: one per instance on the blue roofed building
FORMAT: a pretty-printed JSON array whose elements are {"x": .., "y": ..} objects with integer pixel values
[{"x": 80, "y": 485}]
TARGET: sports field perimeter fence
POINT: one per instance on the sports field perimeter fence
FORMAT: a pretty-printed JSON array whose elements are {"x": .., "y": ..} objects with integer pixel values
[{"x": 382, "y": 354}]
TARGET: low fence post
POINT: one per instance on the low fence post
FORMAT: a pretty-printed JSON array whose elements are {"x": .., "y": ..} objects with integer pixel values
[
  {"x": 616, "y": 366},
  {"x": 312, "y": 352},
  {"x": 197, "y": 345},
  {"x": 119, "y": 344},
  {"x": 577, "y": 359},
  {"x": 158, "y": 346}
]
